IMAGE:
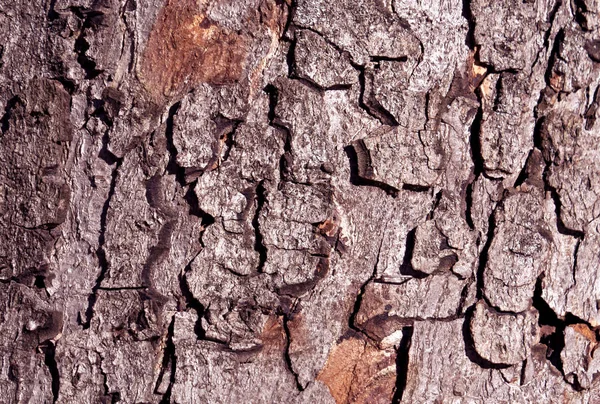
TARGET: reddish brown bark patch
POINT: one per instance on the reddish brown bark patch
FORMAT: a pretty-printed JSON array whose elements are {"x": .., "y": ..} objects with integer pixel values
[
  {"x": 358, "y": 372},
  {"x": 186, "y": 48}
]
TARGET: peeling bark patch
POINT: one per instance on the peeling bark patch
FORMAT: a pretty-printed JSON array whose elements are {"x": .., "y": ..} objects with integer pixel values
[
  {"x": 185, "y": 46},
  {"x": 358, "y": 372}
]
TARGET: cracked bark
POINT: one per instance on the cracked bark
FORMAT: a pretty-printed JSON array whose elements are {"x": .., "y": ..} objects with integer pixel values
[{"x": 299, "y": 201}]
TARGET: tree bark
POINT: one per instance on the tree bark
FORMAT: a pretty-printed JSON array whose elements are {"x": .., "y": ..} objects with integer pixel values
[{"x": 299, "y": 201}]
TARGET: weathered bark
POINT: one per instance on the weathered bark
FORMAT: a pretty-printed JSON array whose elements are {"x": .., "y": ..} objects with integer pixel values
[{"x": 304, "y": 201}]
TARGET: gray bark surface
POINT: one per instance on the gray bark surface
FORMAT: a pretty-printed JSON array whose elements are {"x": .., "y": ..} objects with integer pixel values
[{"x": 299, "y": 201}]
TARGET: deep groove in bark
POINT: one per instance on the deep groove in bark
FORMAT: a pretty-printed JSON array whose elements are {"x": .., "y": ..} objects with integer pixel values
[
  {"x": 192, "y": 302},
  {"x": 483, "y": 256},
  {"x": 49, "y": 350},
  {"x": 359, "y": 297},
  {"x": 406, "y": 267},
  {"x": 555, "y": 341},
  {"x": 402, "y": 361},
  {"x": 5, "y": 120},
  {"x": 101, "y": 252},
  {"x": 287, "y": 357},
  {"x": 81, "y": 45},
  {"x": 169, "y": 358},
  {"x": 470, "y": 344},
  {"x": 356, "y": 179},
  {"x": 172, "y": 167},
  {"x": 371, "y": 106},
  {"x": 259, "y": 245}
]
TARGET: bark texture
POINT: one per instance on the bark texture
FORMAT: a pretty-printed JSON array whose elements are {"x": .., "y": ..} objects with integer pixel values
[{"x": 299, "y": 201}]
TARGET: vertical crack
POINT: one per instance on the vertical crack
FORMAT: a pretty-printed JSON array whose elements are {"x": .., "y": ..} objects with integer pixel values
[
  {"x": 406, "y": 267},
  {"x": 169, "y": 363},
  {"x": 467, "y": 14},
  {"x": 49, "y": 350},
  {"x": 191, "y": 301},
  {"x": 370, "y": 105},
  {"x": 288, "y": 359},
  {"x": 483, "y": 256},
  {"x": 362, "y": 290},
  {"x": 287, "y": 158},
  {"x": 5, "y": 120},
  {"x": 110, "y": 159},
  {"x": 259, "y": 245},
  {"x": 554, "y": 340},
  {"x": 89, "y": 18},
  {"x": 172, "y": 167},
  {"x": 475, "y": 140},
  {"x": 402, "y": 360}
]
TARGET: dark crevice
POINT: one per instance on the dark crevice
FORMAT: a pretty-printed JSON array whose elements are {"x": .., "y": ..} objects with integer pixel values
[
  {"x": 291, "y": 59},
  {"x": 483, "y": 256},
  {"x": 290, "y": 17},
  {"x": 169, "y": 362},
  {"x": 259, "y": 245},
  {"x": 580, "y": 11},
  {"x": 463, "y": 298},
  {"x": 110, "y": 159},
  {"x": 288, "y": 359},
  {"x": 523, "y": 372},
  {"x": 553, "y": 330},
  {"x": 69, "y": 85},
  {"x": 402, "y": 360},
  {"x": 562, "y": 229},
  {"x": 469, "y": 206},
  {"x": 406, "y": 267},
  {"x": 554, "y": 341},
  {"x": 524, "y": 174},
  {"x": 358, "y": 180},
  {"x": 192, "y": 200},
  {"x": 369, "y": 103},
  {"x": 475, "y": 140},
  {"x": 541, "y": 143},
  {"x": 191, "y": 302},
  {"x": 90, "y": 18},
  {"x": 551, "y": 18},
  {"x": 554, "y": 55},
  {"x": 10, "y": 105},
  {"x": 172, "y": 167},
  {"x": 436, "y": 204},
  {"x": 467, "y": 13},
  {"x": 286, "y": 159},
  {"x": 49, "y": 349},
  {"x": 182, "y": 175},
  {"x": 357, "y": 303},
  {"x": 416, "y": 188},
  {"x": 52, "y": 14},
  {"x": 376, "y": 59},
  {"x": 592, "y": 111},
  {"x": 470, "y": 344}
]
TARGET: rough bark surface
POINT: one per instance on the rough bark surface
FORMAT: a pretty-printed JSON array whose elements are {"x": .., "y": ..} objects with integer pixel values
[{"x": 299, "y": 201}]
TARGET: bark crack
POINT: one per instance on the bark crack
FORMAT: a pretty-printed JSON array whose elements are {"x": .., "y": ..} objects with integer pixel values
[
  {"x": 110, "y": 159},
  {"x": 259, "y": 244},
  {"x": 288, "y": 359},
  {"x": 49, "y": 350}
]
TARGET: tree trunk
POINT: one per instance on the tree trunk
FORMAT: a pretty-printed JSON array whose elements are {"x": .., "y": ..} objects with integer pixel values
[{"x": 299, "y": 201}]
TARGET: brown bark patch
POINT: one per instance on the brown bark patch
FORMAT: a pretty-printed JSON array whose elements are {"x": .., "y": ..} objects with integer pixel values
[
  {"x": 358, "y": 372},
  {"x": 273, "y": 335},
  {"x": 186, "y": 48}
]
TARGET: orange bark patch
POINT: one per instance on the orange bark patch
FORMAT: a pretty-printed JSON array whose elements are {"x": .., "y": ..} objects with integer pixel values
[
  {"x": 478, "y": 72},
  {"x": 586, "y": 331},
  {"x": 358, "y": 372},
  {"x": 187, "y": 48}
]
